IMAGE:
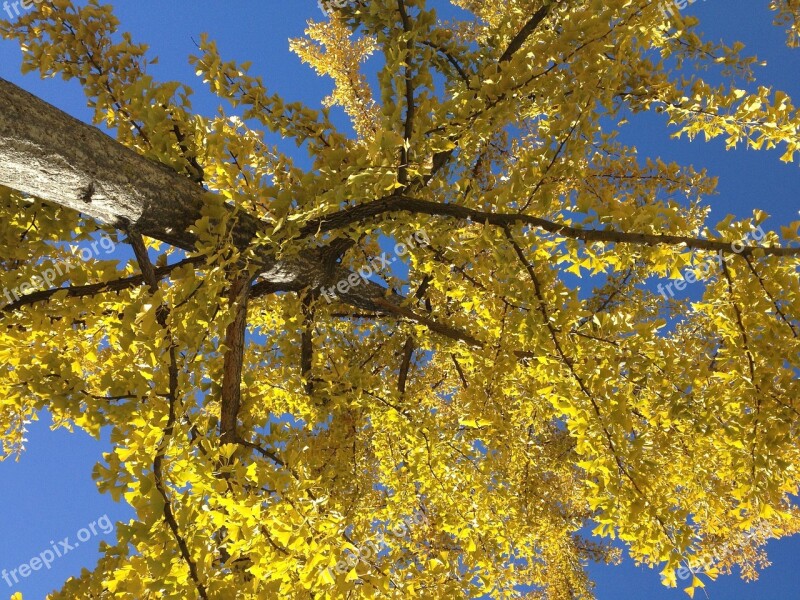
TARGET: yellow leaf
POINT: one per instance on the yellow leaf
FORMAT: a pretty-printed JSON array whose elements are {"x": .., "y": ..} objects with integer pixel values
[
  {"x": 327, "y": 577},
  {"x": 474, "y": 423}
]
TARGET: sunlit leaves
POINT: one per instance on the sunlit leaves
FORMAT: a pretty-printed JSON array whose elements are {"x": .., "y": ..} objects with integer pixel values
[{"x": 550, "y": 388}]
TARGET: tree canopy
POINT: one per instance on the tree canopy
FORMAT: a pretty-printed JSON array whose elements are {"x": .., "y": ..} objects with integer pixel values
[{"x": 454, "y": 345}]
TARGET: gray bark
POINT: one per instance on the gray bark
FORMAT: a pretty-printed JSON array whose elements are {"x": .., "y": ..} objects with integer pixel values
[
  {"x": 47, "y": 154},
  {"x": 53, "y": 156}
]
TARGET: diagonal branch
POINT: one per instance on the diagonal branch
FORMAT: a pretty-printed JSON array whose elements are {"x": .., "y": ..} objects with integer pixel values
[
  {"x": 751, "y": 364},
  {"x": 82, "y": 291},
  {"x": 460, "y": 371},
  {"x": 47, "y": 154},
  {"x": 149, "y": 275},
  {"x": 524, "y": 33},
  {"x": 770, "y": 296},
  {"x": 582, "y": 384},
  {"x": 450, "y": 58}
]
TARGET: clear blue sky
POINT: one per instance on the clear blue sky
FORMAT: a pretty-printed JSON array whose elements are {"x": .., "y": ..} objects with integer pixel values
[{"x": 49, "y": 494}]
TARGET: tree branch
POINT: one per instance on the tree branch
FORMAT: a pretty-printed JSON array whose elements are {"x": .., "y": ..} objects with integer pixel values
[
  {"x": 451, "y": 59},
  {"x": 47, "y": 154},
  {"x": 307, "y": 344},
  {"x": 232, "y": 362},
  {"x": 408, "y": 126},
  {"x": 402, "y": 203},
  {"x": 149, "y": 276},
  {"x": 524, "y": 33},
  {"x": 82, "y": 291}
]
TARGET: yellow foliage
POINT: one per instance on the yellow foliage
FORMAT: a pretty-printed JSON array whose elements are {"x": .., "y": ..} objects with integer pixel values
[{"x": 511, "y": 404}]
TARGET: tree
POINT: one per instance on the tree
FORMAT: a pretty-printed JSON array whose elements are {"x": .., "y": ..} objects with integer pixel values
[{"x": 282, "y": 398}]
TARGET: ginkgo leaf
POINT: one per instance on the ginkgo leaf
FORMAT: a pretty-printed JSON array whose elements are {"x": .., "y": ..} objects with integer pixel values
[{"x": 466, "y": 341}]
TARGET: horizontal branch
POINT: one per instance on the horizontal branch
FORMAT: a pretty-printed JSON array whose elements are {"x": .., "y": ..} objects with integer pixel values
[
  {"x": 82, "y": 291},
  {"x": 357, "y": 214}
]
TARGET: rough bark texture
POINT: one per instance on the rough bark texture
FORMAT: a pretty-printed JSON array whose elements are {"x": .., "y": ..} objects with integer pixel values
[
  {"x": 48, "y": 154},
  {"x": 232, "y": 368},
  {"x": 53, "y": 156}
]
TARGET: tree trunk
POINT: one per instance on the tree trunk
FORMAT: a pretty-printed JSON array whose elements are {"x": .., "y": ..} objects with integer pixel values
[{"x": 48, "y": 154}]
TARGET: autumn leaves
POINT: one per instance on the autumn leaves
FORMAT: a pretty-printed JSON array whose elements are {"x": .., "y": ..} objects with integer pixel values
[
  {"x": 702, "y": 271},
  {"x": 378, "y": 264}
]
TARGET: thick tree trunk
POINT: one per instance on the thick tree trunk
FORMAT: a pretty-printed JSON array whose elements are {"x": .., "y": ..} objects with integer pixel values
[{"x": 48, "y": 154}]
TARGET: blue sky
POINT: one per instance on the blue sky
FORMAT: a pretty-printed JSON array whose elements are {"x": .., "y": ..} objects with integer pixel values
[{"x": 49, "y": 494}]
